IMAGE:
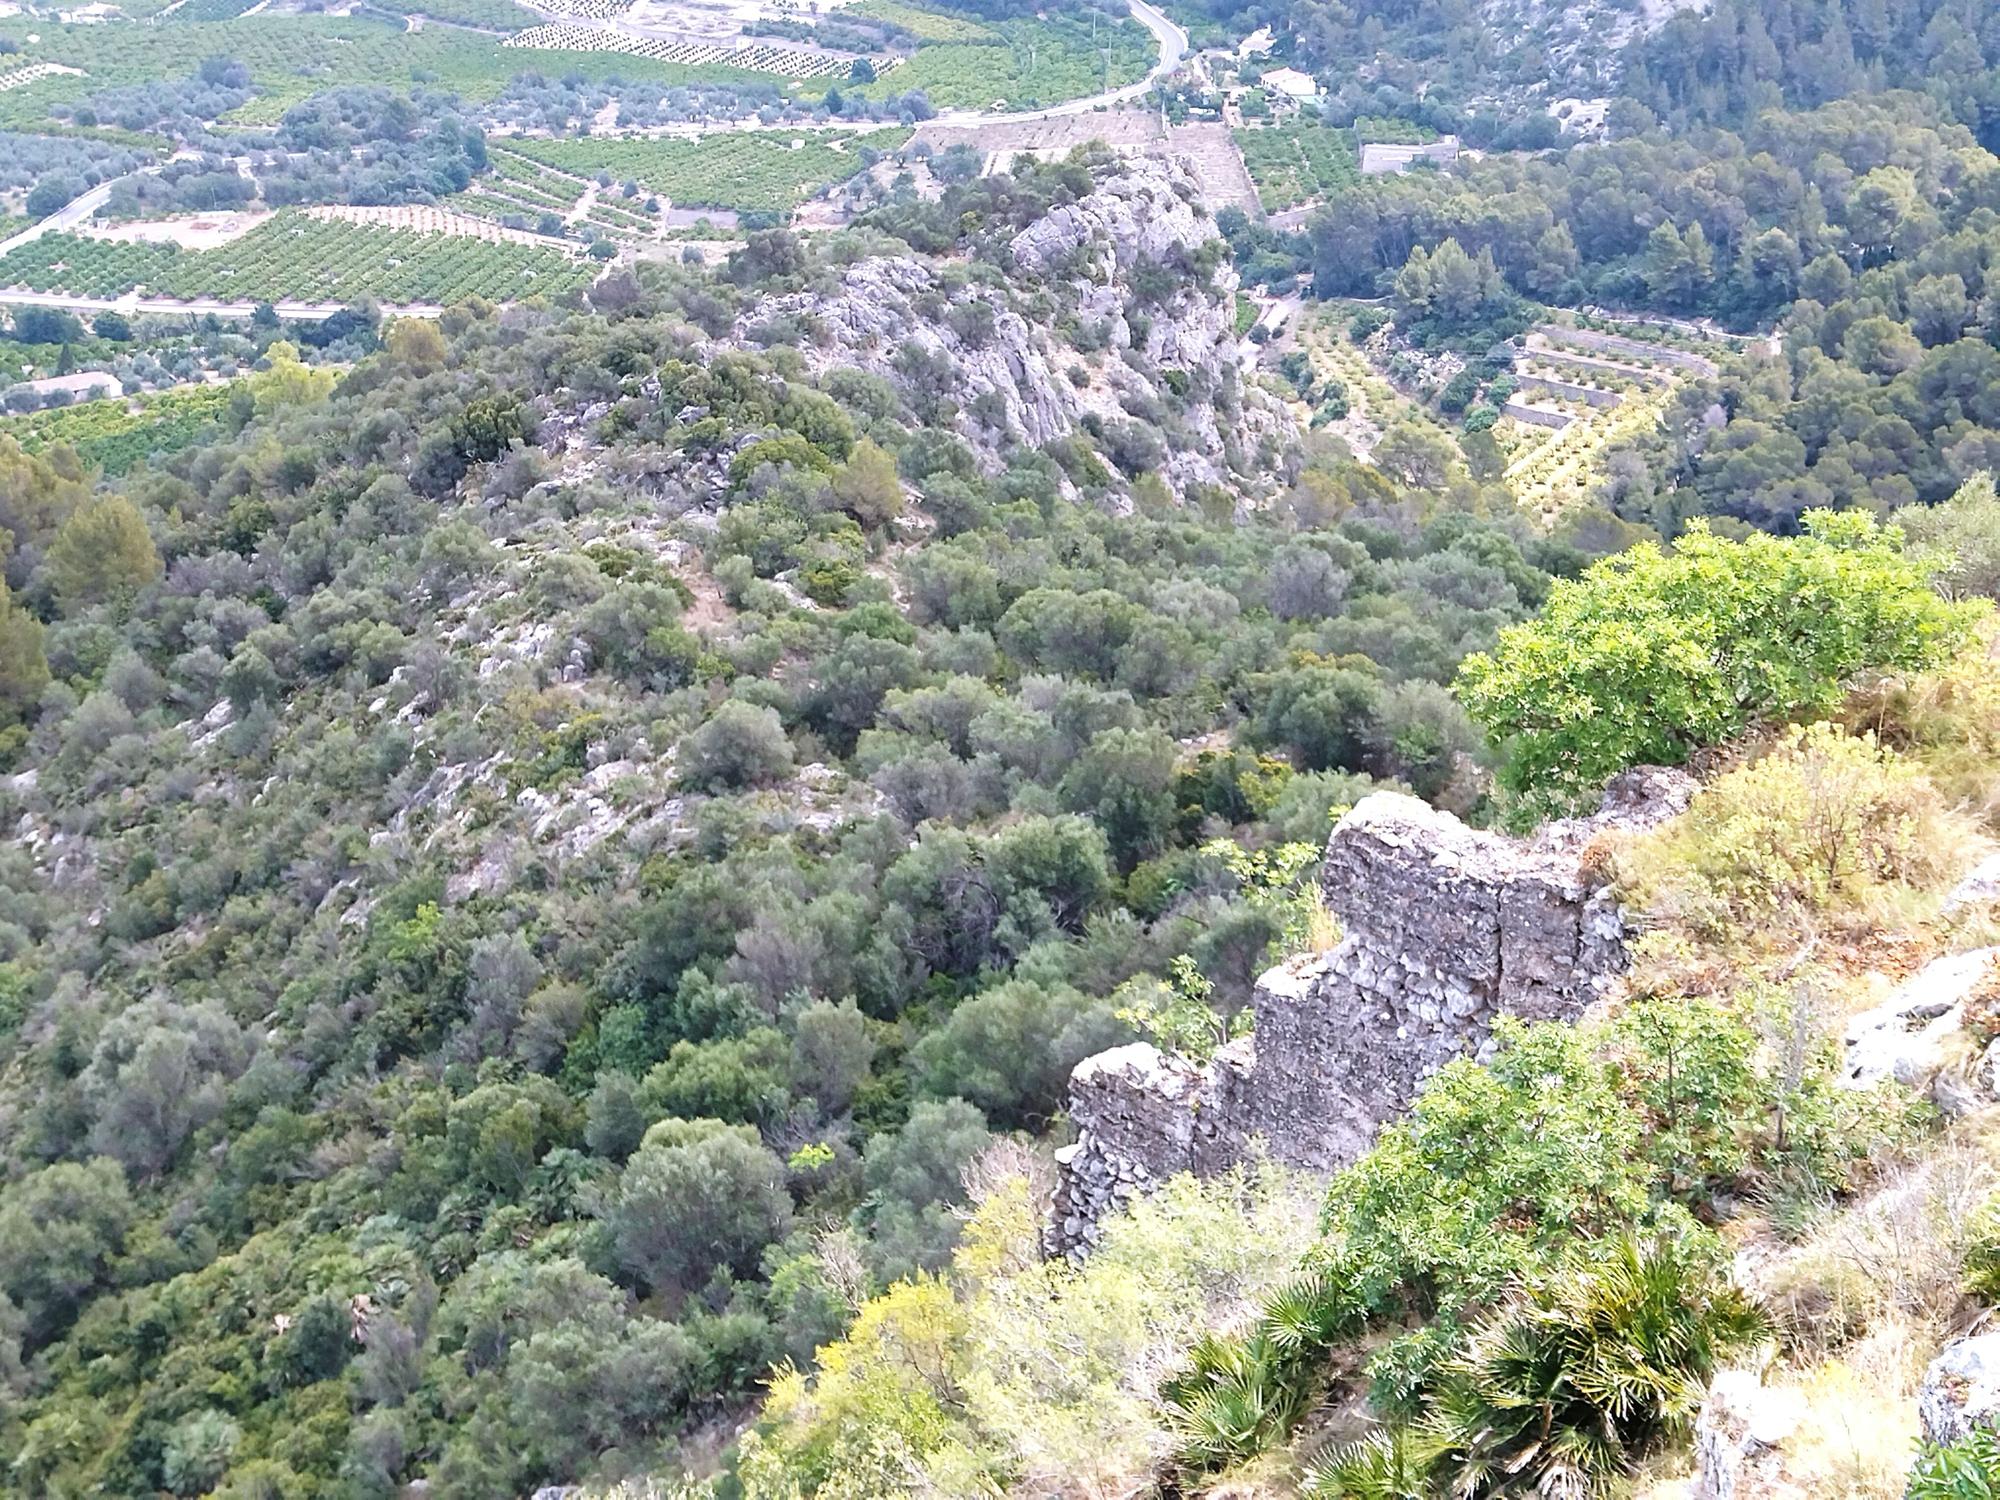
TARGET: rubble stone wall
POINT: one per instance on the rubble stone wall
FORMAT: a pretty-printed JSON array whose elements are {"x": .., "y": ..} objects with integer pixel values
[{"x": 1444, "y": 930}]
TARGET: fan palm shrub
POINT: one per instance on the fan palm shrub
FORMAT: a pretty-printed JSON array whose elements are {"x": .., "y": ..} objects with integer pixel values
[
  {"x": 1241, "y": 1394},
  {"x": 1595, "y": 1365},
  {"x": 1387, "y": 1465},
  {"x": 1237, "y": 1396}
]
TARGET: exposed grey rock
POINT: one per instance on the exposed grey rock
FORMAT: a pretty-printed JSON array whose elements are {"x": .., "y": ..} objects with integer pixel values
[
  {"x": 1912, "y": 1035},
  {"x": 1958, "y": 1094},
  {"x": 1146, "y": 214},
  {"x": 492, "y": 874},
  {"x": 1740, "y": 1441},
  {"x": 1961, "y": 1390},
  {"x": 1010, "y": 378},
  {"x": 1979, "y": 889},
  {"x": 1445, "y": 929}
]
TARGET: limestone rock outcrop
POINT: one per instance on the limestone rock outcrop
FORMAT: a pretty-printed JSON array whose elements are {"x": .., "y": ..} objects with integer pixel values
[
  {"x": 1141, "y": 215},
  {"x": 930, "y": 331},
  {"x": 1978, "y": 891},
  {"x": 1445, "y": 930},
  {"x": 1918, "y": 1037},
  {"x": 1742, "y": 1440},
  {"x": 1961, "y": 1389}
]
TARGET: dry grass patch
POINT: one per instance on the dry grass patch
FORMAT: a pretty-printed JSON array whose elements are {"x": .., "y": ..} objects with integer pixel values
[
  {"x": 1947, "y": 720},
  {"x": 1828, "y": 845},
  {"x": 1894, "y": 1260}
]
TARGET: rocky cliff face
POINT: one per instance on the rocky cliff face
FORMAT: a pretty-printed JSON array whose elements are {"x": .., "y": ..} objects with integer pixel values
[
  {"x": 1446, "y": 929},
  {"x": 1133, "y": 271}
]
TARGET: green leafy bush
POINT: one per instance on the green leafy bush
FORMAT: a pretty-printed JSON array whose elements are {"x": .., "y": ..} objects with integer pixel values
[
  {"x": 1965, "y": 1470},
  {"x": 1553, "y": 1182},
  {"x": 1652, "y": 655}
]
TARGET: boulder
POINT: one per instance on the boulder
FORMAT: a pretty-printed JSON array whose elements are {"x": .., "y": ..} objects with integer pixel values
[
  {"x": 1979, "y": 889},
  {"x": 1742, "y": 1438},
  {"x": 1913, "y": 1035},
  {"x": 1961, "y": 1390}
]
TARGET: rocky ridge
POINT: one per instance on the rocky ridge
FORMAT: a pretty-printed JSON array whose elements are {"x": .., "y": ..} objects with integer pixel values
[{"x": 1013, "y": 380}]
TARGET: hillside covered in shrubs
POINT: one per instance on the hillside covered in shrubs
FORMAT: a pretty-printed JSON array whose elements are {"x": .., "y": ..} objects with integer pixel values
[
  {"x": 560, "y": 868},
  {"x": 1739, "y": 1162},
  {"x": 541, "y": 863}
]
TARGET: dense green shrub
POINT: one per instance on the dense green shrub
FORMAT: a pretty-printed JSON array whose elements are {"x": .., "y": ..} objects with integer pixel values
[
  {"x": 1522, "y": 1240},
  {"x": 1653, "y": 655},
  {"x": 1966, "y": 1470}
]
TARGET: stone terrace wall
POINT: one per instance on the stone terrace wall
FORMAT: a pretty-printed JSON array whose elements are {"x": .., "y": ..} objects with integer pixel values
[{"x": 1445, "y": 929}]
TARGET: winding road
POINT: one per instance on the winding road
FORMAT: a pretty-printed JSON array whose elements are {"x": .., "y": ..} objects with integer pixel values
[
  {"x": 131, "y": 304},
  {"x": 1173, "y": 47},
  {"x": 1172, "y": 39},
  {"x": 70, "y": 214}
]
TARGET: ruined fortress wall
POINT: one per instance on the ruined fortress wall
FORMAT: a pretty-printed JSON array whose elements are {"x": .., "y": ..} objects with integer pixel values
[{"x": 1444, "y": 930}]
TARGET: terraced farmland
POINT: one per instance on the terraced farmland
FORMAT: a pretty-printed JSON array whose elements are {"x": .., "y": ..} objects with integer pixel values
[
  {"x": 767, "y": 171},
  {"x": 292, "y": 57},
  {"x": 1551, "y": 472},
  {"x": 294, "y": 256}
]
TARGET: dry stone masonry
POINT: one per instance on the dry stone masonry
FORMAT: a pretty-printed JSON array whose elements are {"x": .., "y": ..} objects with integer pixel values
[{"x": 1445, "y": 929}]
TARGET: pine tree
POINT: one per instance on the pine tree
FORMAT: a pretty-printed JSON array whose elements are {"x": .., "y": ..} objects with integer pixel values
[
  {"x": 24, "y": 669},
  {"x": 103, "y": 551}
]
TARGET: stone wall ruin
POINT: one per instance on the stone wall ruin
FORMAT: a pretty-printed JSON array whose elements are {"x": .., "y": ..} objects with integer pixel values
[{"x": 1444, "y": 930}]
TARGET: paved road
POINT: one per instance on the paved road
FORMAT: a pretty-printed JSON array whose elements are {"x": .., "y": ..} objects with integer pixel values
[
  {"x": 82, "y": 207},
  {"x": 1173, "y": 47},
  {"x": 131, "y": 303},
  {"x": 69, "y": 215},
  {"x": 1273, "y": 320}
]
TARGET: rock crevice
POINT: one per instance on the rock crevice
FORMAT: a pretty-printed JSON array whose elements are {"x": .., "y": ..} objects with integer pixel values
[{"x": 1445, "y": 930}]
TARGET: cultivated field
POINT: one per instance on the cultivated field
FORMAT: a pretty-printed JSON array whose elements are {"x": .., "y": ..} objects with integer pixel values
[
  {"x": 17, "y": 78},
  {"x": 293, "y": 57},
  {"x": 115, "y": 434},
  {"x": 749, "y": 171},
  {"x": 785, "y": 62},
  {"x": 1304, "y": 162},
  {"x": 427, "y": 219},
  {"x": 930, "y": 25},
  {"x": 293, "y": 255},
  {"x": 486, "y": 15},
  {"x": 1026, "y": 64}
]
